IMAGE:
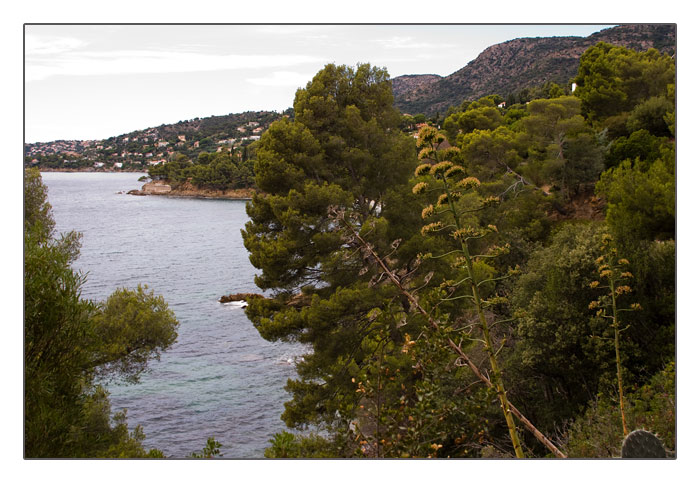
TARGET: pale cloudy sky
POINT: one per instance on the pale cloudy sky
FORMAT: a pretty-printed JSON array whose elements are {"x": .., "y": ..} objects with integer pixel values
[{"x": 97, "y": 81}]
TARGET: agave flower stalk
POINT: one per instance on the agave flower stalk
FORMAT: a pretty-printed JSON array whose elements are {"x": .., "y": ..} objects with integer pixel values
[
  {"x": 613, "y": 272},
  {"x": 453, "y": 184}
]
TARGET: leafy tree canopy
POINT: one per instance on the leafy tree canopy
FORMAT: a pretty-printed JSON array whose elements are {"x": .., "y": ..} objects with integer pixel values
[
  {"x": 612, "y": 80},
  {"x": 343, "y": 149},
  {"x": 69, "y": 341}
]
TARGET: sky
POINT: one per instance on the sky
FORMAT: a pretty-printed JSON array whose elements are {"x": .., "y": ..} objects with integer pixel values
[{"x": 97, "y": 81}]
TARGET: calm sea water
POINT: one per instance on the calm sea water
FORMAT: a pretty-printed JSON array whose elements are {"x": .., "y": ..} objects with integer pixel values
[{"x": 220, "y": 379}]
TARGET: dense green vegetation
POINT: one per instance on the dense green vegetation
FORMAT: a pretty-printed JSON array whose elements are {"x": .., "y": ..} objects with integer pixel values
[
  {"x": 71, "y": 343},
  {"x": 218, "y": 171},
  {"x": 502, "y": 287}
]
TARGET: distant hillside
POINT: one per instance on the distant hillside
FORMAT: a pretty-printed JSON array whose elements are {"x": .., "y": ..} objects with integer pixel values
[
  {"x": 509, "y": 67},
  {"x": 505, "y": 68},
  {"x": 137, "y": 150}
]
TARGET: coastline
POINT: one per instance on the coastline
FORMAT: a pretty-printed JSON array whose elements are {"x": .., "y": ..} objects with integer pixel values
[{"x": 68, "y": 170}]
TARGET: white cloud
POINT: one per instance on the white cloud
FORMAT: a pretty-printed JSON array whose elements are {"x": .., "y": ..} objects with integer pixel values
[
  {"x": 409, "y": 43},
  {"x": 34, "y": 45},
  {"x": 122, "y": 62},
  {"x": 308, "y": 31},
  {"x": 282, "y": 78}
]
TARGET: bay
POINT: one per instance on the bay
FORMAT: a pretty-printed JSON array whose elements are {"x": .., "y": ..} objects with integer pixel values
[{"x": 220, "y": 379}]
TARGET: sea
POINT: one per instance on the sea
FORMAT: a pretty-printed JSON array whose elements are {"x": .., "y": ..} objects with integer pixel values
[{"x": 220, "y": 379}]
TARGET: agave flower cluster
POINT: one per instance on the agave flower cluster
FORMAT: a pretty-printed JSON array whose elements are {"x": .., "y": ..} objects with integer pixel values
[
  {"x": 452, "y": 183},
  {"x": 614, "y": 276}
]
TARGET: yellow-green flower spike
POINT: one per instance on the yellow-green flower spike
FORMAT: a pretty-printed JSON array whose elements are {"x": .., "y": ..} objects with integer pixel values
[
  {"x": 440, "y": 167},
  {"x": 422, "y": 169},
  {"x": 420, "y": 188},
  {"x": 470, "y": 182}
]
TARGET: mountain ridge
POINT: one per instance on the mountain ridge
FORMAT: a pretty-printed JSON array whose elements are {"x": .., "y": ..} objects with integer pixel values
[{"x": 512, "y": 66}]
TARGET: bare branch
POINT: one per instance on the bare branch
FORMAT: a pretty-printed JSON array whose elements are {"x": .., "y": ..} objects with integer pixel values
[{"x": 477, "y": 372}]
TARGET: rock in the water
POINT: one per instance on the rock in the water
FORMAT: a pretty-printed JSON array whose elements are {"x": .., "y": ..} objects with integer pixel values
[
  {"x": 236, "y": 297},
  {"x": 156, "y": 188},
  {"x": 642, "y": 444}
]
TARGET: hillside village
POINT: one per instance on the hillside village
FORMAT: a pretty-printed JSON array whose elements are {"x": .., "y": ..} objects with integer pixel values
[{"x": 139, "y": 150}]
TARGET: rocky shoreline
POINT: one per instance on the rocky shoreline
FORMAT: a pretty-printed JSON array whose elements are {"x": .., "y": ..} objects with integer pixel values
[{"x": 187, "y": 190}]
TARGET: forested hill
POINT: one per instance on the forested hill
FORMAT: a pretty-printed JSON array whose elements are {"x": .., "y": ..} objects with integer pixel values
[{"x": 510, "y": 68}]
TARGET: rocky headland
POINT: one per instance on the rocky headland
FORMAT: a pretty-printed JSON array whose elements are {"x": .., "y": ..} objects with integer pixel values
[{"x": 188, "y": 190}]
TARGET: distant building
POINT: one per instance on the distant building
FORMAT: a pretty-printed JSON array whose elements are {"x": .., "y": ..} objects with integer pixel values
[
  {"x": 182, "y": 138},
  {"x": 118, "y": 165}
]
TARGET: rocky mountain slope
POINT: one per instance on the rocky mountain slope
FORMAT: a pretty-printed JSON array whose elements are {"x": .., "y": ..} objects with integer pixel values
[{"x": 512, "y": 66}]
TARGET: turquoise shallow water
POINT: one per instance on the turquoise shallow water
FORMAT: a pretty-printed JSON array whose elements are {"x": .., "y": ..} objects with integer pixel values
[{"x": 221, "y": 378}]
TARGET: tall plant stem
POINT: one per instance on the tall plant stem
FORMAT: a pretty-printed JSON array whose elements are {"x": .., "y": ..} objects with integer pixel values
[
  {"x": 455, "y": 347},
  {"x": 616, "y": 327},
  {"x": 488, "y": 343}
]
